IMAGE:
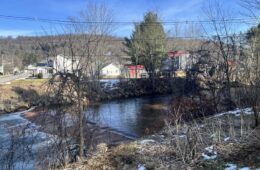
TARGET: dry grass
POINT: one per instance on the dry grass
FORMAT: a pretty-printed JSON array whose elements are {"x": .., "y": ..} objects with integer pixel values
[
  {"x": 7, "y": 90},
  {"x": 181, "y": 147},
  {"x": 21, "y": 94}
]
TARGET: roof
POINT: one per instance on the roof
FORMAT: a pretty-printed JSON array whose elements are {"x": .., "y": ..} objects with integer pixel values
[
  {"x": 133, "y": 67},
  {"x": 176, "y": 53},
  {"x": 112, "y": 64},
  {"x": 42, "y": 64}
]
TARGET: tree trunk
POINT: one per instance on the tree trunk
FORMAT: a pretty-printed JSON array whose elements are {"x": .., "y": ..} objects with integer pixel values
[
  {"x": 81, "y": 126},
  {"x": 256, "y": 116}
]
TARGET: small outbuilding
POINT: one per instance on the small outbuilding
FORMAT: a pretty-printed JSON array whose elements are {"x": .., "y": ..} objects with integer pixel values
[{"x": 111, "y": 71}]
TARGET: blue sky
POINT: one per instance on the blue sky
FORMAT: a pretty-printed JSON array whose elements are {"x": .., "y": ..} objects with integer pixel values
[{"x": 123, "y": 10}]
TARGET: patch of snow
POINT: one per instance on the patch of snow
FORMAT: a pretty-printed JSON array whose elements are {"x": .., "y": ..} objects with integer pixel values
[
  {"x": 182, "y": 136},
  {"x": 236, "y": 112},
  {"x": 206, "y": 157},
  {"x": 140, "y": 167},
  {"x": 110, "y": 83},
  {"x": 245, "y": 168},
  {"x": 226, "y": 139},
  {"x": 145, "y": 141},
  {"x": 231, "y": 167},
  {"x": 209, "y": 149},
  {"x": 209, "y": 154}
]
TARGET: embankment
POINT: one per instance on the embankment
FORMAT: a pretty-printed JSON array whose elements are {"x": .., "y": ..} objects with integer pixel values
[{"x": 22, "y": 94}]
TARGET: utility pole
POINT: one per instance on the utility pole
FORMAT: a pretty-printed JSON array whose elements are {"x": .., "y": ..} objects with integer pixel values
[{"x": 2, "y": 63}]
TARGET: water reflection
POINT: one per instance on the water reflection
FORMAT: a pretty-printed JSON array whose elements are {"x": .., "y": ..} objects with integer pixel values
[{"x": 135, "y": 116}]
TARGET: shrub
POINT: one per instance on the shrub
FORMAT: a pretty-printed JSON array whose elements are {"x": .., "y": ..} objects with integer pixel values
[{"x": 39, "y": 75}]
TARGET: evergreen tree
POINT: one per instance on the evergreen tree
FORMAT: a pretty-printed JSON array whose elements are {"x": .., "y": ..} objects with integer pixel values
[{"x": 146, "y": 45}]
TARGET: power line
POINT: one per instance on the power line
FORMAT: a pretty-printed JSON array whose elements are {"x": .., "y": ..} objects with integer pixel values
[
  {"x": 231, "y": 35},
  {"x": 35, "y": 19},
  {"x": 59, "y": 21},
  {"x": 63, "y": 38}
]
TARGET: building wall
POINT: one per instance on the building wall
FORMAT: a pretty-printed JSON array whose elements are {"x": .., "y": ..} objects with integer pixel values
[
  {"x": 44, "y": 70},
  {"x": 181, "y": 62},
  {"x": 136, "y": 71},
  {"x": 111, "y": 70},
  {"x": 64, "y": 64}
]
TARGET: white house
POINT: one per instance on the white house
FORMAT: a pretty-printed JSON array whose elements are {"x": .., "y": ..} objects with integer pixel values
[
  {"x": 63, "y": 63},
  {"x": 44, "y": 68},
  {"x": 111, "y": 70}
]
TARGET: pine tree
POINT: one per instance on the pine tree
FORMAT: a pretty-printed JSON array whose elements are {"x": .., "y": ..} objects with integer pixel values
[{"x": 146, "y": 45}]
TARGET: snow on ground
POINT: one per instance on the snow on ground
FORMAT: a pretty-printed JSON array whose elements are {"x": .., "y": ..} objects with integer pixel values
[
  {"x": 226, "y": 139},
  {"x": 231, "y": 167},
  {"x": 110, "y": 83},
  {"x": 209, "y": 153},
  {"x": 245, "y": 168},
  {"x": 146, "y": 141},
  {"x": 140, "y": 167},
  {"x": 236, "y": 112}
]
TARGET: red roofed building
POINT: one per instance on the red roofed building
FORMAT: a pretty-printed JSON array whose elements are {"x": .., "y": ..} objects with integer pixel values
[
  {"x": 175, "y": 60},
  {"x": 136, "y": 71},
  {"x": 179, "y": 59},
  {"x": 177, "y": 53}
]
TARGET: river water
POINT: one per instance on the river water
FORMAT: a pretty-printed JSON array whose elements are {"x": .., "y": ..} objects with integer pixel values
[
  {"x": 133, "y": 117},
  {"x": 19, "y": 142}
]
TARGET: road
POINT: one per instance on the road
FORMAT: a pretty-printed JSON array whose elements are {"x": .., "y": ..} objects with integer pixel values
[{"x": 7, "y": 79}]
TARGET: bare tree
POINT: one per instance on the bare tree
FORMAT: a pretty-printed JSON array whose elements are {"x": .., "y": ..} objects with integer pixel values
[
  {"x": 251, "y": 6},
  {"x": 224, "y": 41},
  {"x": 82, "y": 46},
  {"x": 250, "y": 94}
]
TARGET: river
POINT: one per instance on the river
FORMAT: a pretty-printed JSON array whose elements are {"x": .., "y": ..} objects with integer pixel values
[
  {"x": 19, "y": 142},
  {"x": 133, "y": 117}
]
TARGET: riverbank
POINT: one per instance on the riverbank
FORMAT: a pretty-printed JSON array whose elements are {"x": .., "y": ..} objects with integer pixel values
[
  {"x": 129, "y": 88},
  {"x": 22, "y": 94},
  {"x": 226, "y": 140}
]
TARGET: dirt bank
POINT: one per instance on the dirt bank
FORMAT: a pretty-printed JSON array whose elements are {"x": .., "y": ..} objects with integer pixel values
[{"x": 21, "y": 94}]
